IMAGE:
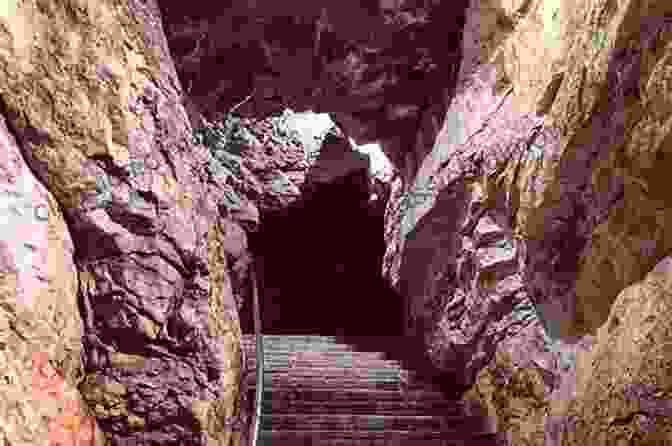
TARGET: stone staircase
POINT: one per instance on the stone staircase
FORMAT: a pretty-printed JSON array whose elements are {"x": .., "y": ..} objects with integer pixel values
[{"x": 320, "y": 392}]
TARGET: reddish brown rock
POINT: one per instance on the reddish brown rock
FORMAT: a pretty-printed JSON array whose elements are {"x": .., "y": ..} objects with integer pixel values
[
  {"x": 99, "y": 123},
  {"x": 379, "y": 70},
  {"x": 517, "y": 231}
]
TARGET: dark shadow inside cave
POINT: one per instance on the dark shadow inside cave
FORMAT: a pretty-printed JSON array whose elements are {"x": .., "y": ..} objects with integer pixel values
[{"x": 319, "y": 263}]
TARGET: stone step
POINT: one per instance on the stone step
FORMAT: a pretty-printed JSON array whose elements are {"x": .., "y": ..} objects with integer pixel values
[
  {"x": 321, "y": 359},
  {"x": 354, "y": 438},
  {"x": 366, "y": 374},
  {"x": 288, "y": 381},
  {"x": 359, "y": 422},
  {"x": 272, "y": 342},
  {"x": 304, "y": 347},
  {"x": 291, "y": 338},
  {"x": 285, "y": 403},
  {"x": 319, "y": 391},
  {"x": 363, "y": 396},
  {"x": 376, "y": 345},
  {"x": 306, "y": 441},
  {"x": 328, "y": 352},
  {"x": 279, "y": 381},
  {"x": 347, "y": 359}
]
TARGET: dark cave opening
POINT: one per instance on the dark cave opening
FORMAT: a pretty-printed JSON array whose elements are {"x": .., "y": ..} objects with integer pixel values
[
  {"x": 319, "y": 273},
  {"x": 319, "y": 265}
]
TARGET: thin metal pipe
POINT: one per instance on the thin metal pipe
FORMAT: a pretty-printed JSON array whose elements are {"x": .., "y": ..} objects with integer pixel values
[{"x": 254, "y": 428}]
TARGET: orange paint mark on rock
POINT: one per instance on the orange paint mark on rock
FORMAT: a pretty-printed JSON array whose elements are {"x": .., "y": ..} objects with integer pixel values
[{"x": 71, "y": 427}]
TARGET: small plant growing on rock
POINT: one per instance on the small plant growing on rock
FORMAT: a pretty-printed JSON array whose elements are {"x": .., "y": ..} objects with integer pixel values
[
  {"x": 600, "y": 39},
  {"x": 228, "y": 135},
  {"x": 225, "y": 141},
  {"x": 312, "y": 149},
  {"x": 535, "y": 152},
  {"x": 410, "y": 200},
  {"x": 283, "y": 130},
  {"x": 232, "y": 200},
  {"x": 415, "y": 196},
  {"x": 103, "y": 192},
  {"x": 281, "y": 184},
  {"x": 504, "y": 244},
  {"x": 136, "y": 168}
]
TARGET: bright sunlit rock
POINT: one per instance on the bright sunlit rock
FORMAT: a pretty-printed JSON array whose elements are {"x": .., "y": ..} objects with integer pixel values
[{"x": 311, "y": 125}]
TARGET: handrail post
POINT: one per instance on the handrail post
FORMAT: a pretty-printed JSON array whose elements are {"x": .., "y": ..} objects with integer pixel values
[{"x": 254, "y": 428}]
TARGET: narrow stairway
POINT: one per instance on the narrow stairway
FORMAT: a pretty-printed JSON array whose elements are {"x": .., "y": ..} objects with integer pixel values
[{"x": 320, "y": 392}]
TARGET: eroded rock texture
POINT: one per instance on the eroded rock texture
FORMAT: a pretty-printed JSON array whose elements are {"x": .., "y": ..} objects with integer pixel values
[
  {"x": 92, "y": 98},
  {"x": 39, "y": 318},
  {"x": 540, "y": 201},
  {"x": 621, "y": 388},
  {"x": 379, "y": 68}
]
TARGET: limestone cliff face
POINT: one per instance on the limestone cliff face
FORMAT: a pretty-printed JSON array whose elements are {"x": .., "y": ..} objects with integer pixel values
[
  {"x": 40, "y": 327},
  {"x": 527, "y": 226},
  {"x": 91, "y": 112},
  {"x": 542, "y": 199},
  {"x": 620, "y": 390}
]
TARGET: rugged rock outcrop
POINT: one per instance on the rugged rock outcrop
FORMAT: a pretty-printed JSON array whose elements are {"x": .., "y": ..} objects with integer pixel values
[
  {"x": 379, "y": 68},
  {"x": 513, "y": 230},
  {"x": 91, "y": 97},
  {"x": 541, "y": 200},
  {"x": 621, "y": 388},
  {"x": 39, "y": 318}
]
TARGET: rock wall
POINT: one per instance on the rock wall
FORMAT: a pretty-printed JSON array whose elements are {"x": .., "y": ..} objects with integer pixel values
[
  {"x": 40, "y": 325},
  {"x": 540, "y": 201},
  {"x": 91, "y": 97},
  {"x": 620, "y": 390},
  {"x": 378, "y": 68}
]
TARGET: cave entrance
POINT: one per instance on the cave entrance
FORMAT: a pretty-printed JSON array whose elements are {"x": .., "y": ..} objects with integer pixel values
[
  {"x": 319, "y": 271},
  {"x": 319, "y": 264}
]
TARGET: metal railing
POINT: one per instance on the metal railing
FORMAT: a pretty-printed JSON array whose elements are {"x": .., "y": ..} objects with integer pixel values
[{"x": 254, "y": 428}]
